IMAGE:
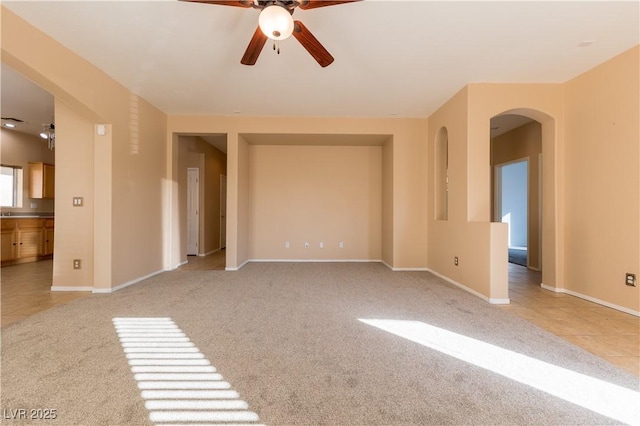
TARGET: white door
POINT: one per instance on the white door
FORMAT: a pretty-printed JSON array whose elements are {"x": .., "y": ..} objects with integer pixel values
[
  {"x": 193, "y": 206},
  {"x": 223, "y": 211}
]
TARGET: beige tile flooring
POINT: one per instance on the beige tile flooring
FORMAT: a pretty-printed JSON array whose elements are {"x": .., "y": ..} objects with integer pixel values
[
  {"x": 214, "y": 261},
  {"x": 25, "y": 291},
  {"x": 608, "y": 333},
  {"x": 605, "y": 332}
]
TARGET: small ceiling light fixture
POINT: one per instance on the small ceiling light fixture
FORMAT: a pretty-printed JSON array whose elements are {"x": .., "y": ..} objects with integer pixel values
[
  {"x": 10, "y": 122},
  {"x": 276, "y": 23},
  {"x": 48, "y": 133}
]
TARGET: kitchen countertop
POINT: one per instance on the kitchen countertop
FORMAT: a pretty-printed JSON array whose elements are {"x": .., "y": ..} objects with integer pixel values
[{"x": 27, "y": 216}]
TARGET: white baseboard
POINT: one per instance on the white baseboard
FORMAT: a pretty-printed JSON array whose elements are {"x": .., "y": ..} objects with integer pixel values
[
  {"x": 173, "y": 268},
  {"x": 59, "y": 288},
  {"x": 231, "y": 268},
  {"x": 394, "y": 269},
  {"x": 127, "y": 284},
  {"x": 493, "y": 301},
  {"x": 315, "y": 260},
  {"x": 553, "y": 289},
  {"x": 591, "y": 299},
  {"x": 236, "y": 268}
]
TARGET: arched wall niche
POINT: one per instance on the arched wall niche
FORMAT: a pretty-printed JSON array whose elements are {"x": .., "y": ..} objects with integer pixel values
[{"x": 442, "y": 174}]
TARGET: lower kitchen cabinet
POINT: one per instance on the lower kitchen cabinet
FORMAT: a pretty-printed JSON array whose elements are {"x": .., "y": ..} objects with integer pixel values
[{"x": 26, "y": 239}]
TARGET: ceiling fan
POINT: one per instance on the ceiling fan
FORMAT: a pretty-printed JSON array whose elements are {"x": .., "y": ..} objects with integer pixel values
[{"x": 276, "y": 23}]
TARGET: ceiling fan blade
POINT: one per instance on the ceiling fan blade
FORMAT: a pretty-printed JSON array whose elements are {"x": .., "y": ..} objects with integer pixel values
[
  {"x": 255, "y": 47},
  {"x": 314, "y": 4},
  {"x": 313, "y": 46},
  {"x": 236, "y": 3}
]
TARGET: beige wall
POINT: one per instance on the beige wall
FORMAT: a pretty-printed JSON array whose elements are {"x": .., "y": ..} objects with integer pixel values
[
  {"x": 18, "y": 149},
  {"x": 74, "y": 228},
  {"x": 130, "y": 217},
  {"x": 215, "y": 166},
  {"x": 543, "y": 103},
  {"x": 590, "y": 184},
  {"x": 602, "y": 181},
  {"x": 524, "y": 142},
  {"x": 468, "y": 231},
  {"x": 243, "y": 209},
  {"x": 315, "y": 194},
  {"x": 404, "y": 197},
  {"x": 387, "y": 202}
]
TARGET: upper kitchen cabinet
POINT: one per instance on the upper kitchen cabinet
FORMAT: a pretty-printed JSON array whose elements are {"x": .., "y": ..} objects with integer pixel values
[{"x": 41, "y": 180}]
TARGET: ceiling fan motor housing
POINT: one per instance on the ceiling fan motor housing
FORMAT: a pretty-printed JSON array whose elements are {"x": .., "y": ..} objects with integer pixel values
[{"x": 276, "y": 22}]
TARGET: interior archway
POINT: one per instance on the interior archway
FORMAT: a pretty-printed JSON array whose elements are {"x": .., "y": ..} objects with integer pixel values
[{"x": 528, "y": 134}]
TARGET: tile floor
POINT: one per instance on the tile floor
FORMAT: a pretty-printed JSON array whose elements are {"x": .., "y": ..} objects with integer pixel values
[
  {"x": 215, "y": 261},
  {"x": 605, "y": 332},
  {"x": 25, "y": 291}
]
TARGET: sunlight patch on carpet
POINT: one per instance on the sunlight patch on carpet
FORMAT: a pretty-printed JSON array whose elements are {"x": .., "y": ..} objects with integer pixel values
[
  {"x": 176, "y": 380},
  {"x": 602, "y": 397}
]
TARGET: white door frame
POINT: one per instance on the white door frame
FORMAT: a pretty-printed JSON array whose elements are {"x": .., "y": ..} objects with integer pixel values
[
  {"x": 223, "y": 211},
  {"x": 193, "y": 210}
]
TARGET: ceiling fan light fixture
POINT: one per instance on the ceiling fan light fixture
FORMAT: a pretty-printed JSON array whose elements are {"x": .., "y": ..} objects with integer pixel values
[{"x": 276, "y": 22}]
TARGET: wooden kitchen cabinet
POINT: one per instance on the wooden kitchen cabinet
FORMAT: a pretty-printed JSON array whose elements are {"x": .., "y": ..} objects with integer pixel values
[
  {"x": 42, "y": 178},
  {"x": 8, "y": 241},
  {"x": 26, "y": 240},
  {"x": 47, "y": 245}
]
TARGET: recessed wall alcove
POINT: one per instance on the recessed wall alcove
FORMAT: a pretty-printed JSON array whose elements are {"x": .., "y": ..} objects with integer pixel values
[{"x": 315, "y": 197}]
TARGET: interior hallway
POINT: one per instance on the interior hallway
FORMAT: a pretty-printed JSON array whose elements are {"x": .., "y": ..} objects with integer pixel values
[{"x": 605, "y": 332}]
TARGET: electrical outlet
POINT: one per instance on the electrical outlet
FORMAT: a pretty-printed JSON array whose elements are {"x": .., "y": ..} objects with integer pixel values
[
  {"x": 341, "y": 244},
  {"x": 287, "y": 244},
  {"x": 77, "y": 263},
  {"x": 630, "y": 279},
  {"x": 306, "y": 244},
  {"x": 455, "y": 260},
  {"x": 321, "y": 244}
]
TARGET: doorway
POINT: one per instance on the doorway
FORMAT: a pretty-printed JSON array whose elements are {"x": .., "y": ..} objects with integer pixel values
[
  {"x": 511, "y": 206},
  {"x": 202, "y": 160},
  {"x": 516, "y": 163}
]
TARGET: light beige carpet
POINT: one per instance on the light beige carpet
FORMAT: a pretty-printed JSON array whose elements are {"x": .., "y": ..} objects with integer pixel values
[{"x": 288, "y": 339}]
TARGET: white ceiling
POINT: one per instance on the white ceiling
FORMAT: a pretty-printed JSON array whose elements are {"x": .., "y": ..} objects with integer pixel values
[
  {"x": 23, "y": 100},
  {"x": 392, "y": 58}
]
